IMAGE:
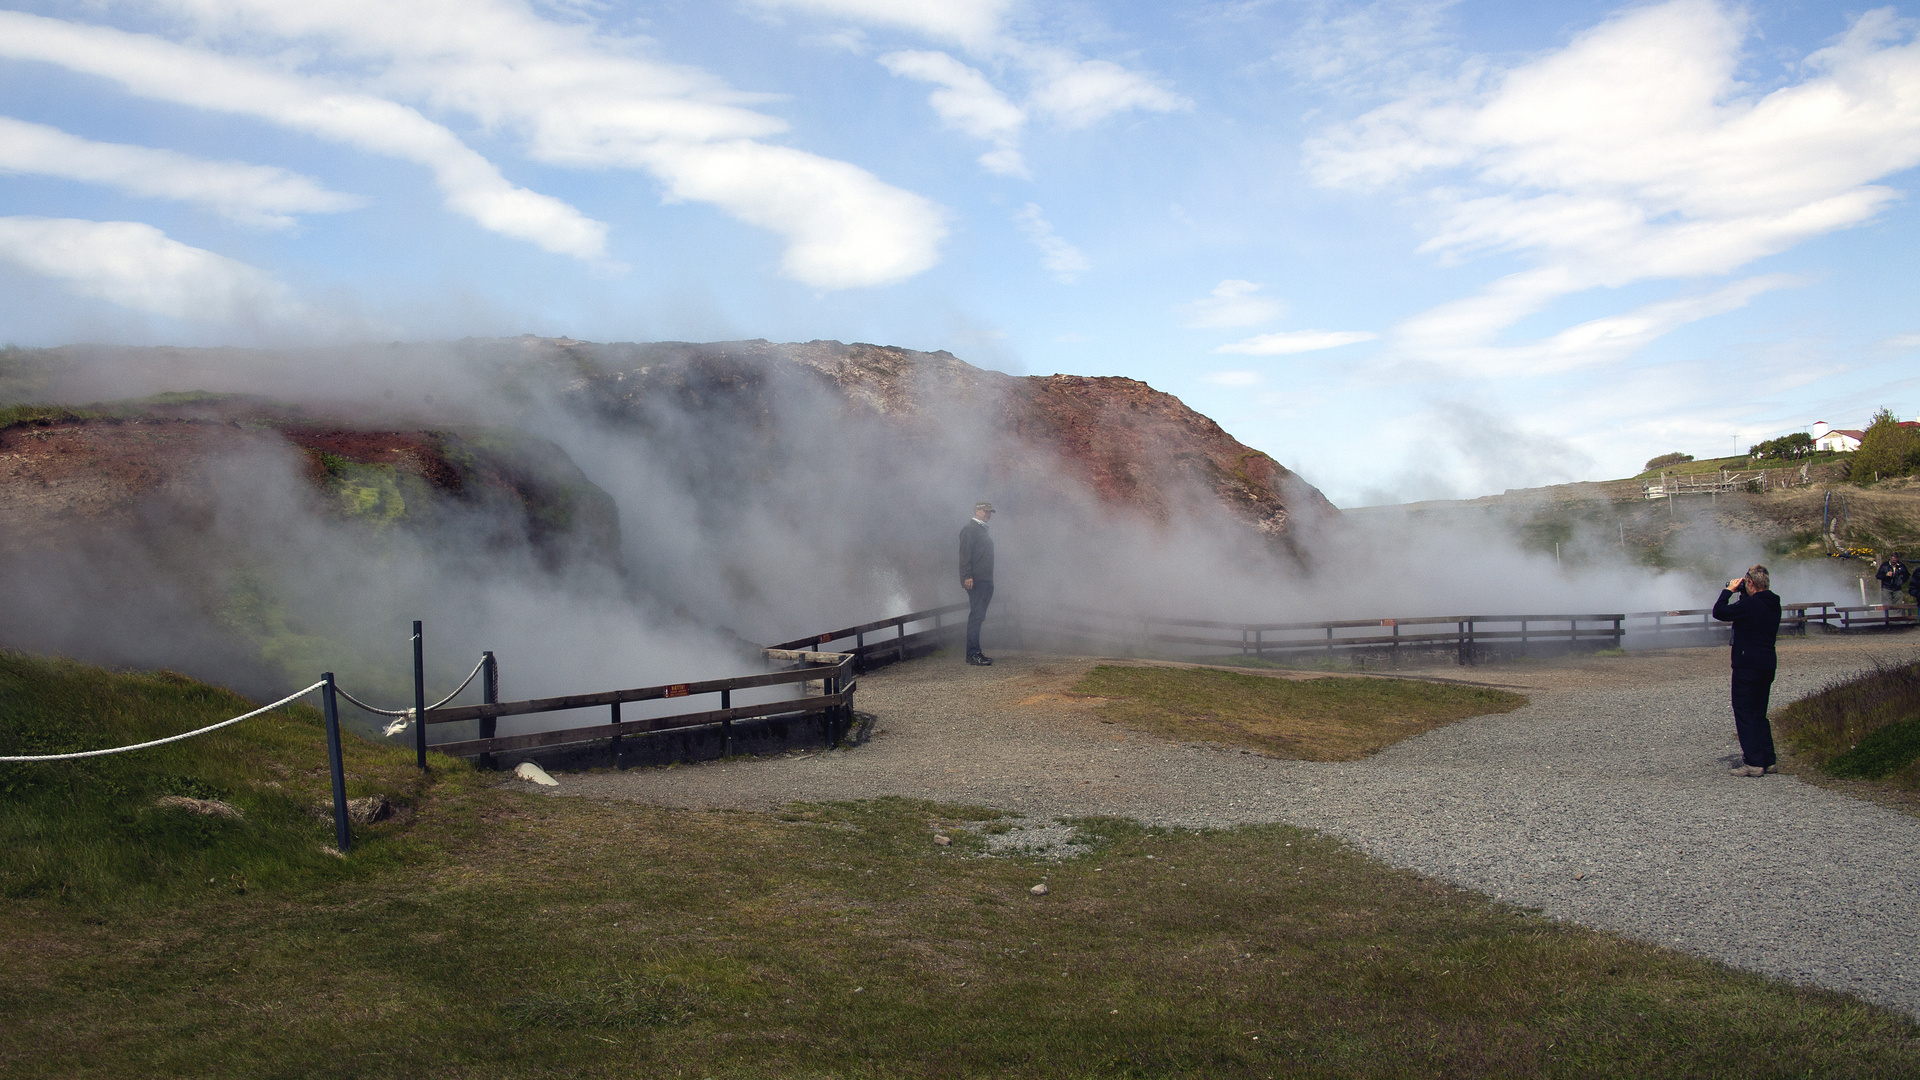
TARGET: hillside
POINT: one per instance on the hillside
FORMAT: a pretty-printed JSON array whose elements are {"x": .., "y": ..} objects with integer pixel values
[
  {"x": 254, "y": 516},
  {"x": 1600, "y": 519}
]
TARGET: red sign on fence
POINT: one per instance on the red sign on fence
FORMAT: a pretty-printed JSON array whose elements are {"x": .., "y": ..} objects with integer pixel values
[
  {"x": 824, "y": 638},
  {"x": 677, "y": 690},
  {"x": 1389, "y": 622}
]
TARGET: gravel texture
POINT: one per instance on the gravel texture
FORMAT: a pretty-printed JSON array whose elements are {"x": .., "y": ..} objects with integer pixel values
[{"x": 1606, "y": 802}]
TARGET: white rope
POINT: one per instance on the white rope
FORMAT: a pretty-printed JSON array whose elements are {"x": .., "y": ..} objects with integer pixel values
[
  {"x": 173, "y": 738},
  {"x": 405, "y": 716}
]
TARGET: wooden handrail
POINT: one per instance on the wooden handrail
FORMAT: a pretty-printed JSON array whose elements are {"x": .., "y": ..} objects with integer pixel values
[{"x": 643, "y": 693}]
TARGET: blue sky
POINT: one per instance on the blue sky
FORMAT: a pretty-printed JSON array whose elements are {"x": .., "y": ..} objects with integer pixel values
[{"x": 1410, "y": 249}]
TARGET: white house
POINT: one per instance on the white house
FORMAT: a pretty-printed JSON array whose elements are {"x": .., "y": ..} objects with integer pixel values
[{"x": 1833, "y": 438}]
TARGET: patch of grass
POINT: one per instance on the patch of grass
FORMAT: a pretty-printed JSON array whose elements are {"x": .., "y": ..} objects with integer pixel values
[
  {"x": 1331, "y": 719},
  {"x": 524, "y": 935},
  {"x": 91, "y": 831},
  {"x": 39, "y": 415},
  {"x": 1866, "y": 726}
]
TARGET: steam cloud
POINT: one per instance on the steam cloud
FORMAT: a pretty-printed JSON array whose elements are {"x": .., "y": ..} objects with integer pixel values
[{"x": 746, "y": 513}]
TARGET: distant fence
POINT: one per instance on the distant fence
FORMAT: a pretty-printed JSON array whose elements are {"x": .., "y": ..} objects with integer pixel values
[{"x": 1468, "y": 638}]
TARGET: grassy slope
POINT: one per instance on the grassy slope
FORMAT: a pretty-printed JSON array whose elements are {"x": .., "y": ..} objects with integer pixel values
[
  {"x": 1866, "y": 727},
  {"x": 1328, "y": 719},
  {"x": 500, "y": 933}
]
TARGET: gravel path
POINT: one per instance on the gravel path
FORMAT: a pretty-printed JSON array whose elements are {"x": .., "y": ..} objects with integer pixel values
[{"x": 1606, "y": 802}]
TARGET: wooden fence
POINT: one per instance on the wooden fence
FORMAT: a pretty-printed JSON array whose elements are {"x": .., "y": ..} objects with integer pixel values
[
  {"x": 883, "y": 642},
  {"x": 833, "y": 704},
  {"x": 1467, "y": 637}
]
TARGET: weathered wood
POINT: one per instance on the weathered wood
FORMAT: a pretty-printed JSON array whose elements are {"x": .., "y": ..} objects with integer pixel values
[
  {"x": 597, "y": 732},
  {"x": 802, "y": 656},
  {"x": 868, "y": 628},
  {"x": 609, "y": 697}
]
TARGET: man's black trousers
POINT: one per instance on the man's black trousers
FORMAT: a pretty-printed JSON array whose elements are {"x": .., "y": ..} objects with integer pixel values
[
  {"x": 978, "y": 598},
  {"x": 1751, "y": 688}
]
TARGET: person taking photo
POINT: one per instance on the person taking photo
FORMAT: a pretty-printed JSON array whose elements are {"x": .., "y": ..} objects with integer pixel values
[{"x": 1751, "y": 606}]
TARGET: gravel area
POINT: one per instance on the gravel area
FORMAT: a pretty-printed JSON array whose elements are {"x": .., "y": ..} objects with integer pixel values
[{"x": 1606, "y": 802}]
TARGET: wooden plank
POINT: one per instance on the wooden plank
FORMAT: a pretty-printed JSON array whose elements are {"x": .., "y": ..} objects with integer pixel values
[
  {"x": 596, "y": 732},
  {"x": 868, "y": 628},
  {"x": 643, "y": 693}
]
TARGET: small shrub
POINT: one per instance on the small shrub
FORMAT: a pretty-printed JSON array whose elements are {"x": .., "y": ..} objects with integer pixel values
[{"x": 1664, "y": 460}]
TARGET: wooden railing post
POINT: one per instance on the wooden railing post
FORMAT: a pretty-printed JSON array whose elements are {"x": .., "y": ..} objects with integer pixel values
[
  {"x": 619, "y": 741},
  {"x": 726, "y": 726}
]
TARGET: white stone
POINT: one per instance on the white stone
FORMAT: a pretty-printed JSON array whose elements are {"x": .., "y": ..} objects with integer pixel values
[
  {"x": 532, "y": 773},
  {"x": 1039, "y": 890}
]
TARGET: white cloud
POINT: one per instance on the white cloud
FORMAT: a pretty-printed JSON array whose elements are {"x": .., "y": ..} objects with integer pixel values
[
  {"x": 1062, "y": 259},
  {"x": 1904, "y": 341},
  {"x": 1080, "y": 93},
  {"x": 1287, "y": 342},
  {"x": 844, "y": 227},
  {"x": 250, "y": 194},
  {"x": 968, "y": 22},
  {"x": 1234, "y": 379},
  {"x": 159, "y": 69},
  {"x": 581, "y": 98},
  {"x": 1603, "y": 340},
  {"x": 967, "y": 102},
  {"x": 137, "y": 266},
  {"x": 1063, "y": 86},
  {"x": 1232, "y": 303},
  {"x": 1636, "y": 153}
]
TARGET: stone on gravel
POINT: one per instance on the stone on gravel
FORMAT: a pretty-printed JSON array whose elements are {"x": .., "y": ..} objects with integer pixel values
[
  {"x": 1040, "y": 889},
  {"x": 534, "y": 774}
]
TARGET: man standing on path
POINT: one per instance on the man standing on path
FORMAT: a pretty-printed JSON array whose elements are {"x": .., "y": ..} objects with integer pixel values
[
  {"x": 1754, "y": 612},
  {"x": 1893, "y": 576},
  {"x": 976, "y": 576}
]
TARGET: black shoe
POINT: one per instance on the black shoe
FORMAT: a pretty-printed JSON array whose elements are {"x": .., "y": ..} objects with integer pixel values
[{"x": 978, "y": 660}]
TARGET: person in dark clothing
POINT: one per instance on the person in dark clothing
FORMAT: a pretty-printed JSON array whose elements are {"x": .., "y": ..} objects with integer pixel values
[
  {"x": 1893, "y": 576},
  {"x": 976, "y": 576},
  {"x": 1754, "y": 611}
]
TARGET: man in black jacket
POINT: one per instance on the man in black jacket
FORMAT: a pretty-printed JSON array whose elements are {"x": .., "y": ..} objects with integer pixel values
[
  {"x": 976, "y": 576},
  {"x": 1893, "y": 577},
  {"x": 1754, "y": 612}
]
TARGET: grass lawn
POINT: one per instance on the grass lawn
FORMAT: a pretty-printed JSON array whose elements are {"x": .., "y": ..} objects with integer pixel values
[
  {"x": 1325, "y": 719},
  {"x": 500, "y": 933}
]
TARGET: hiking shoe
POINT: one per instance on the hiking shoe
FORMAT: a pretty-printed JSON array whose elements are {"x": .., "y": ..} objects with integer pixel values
[
  {"x": 979, "y": 660},
  {"x": 1749, "y": 770}
]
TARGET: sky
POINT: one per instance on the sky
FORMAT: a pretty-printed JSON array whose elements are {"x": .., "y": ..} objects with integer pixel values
[{"x": 1410, "y": 249}]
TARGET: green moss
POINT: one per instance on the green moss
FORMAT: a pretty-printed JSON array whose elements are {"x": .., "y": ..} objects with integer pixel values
[{"x": 366, "y": 493}]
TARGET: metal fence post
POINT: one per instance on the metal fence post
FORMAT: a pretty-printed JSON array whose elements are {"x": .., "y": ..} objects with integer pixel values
[
  {"x": 419, "y": 699},
  {"x": 342, "y": 836},
  {"x": 489, "y": 695}
]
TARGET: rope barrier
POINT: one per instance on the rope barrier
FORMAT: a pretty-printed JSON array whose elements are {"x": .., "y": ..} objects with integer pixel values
[
  {"x": 405, "y": 716},
  {"x": 171, "y": 738}
]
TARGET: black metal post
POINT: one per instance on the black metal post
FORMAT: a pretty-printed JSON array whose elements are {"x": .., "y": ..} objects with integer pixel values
[
  {"x": 419, "y": 698},
  {"x": 489, "y": 695},
  {"x": 342, "y": 836}
]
